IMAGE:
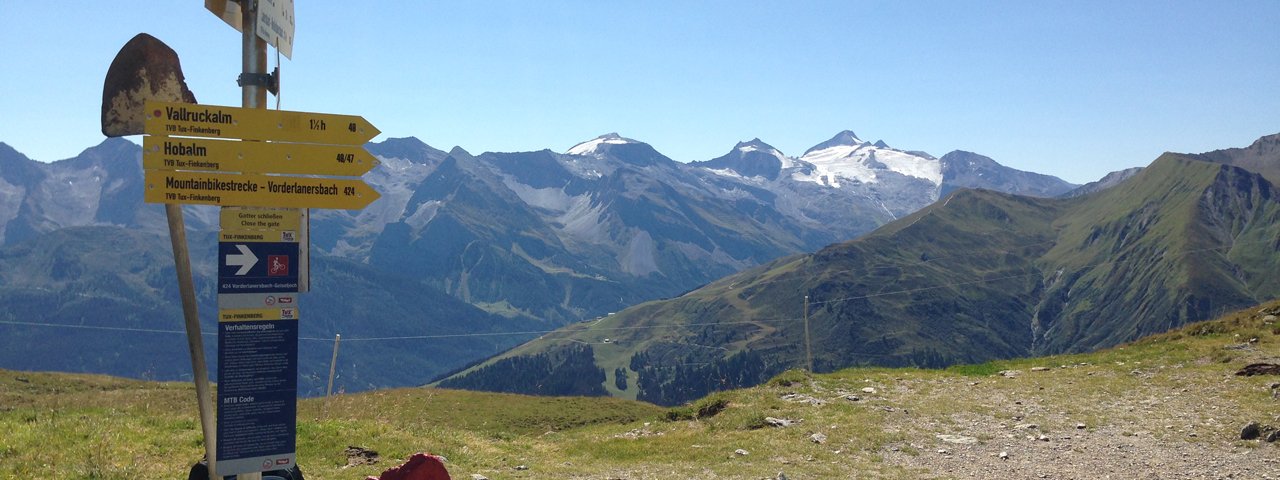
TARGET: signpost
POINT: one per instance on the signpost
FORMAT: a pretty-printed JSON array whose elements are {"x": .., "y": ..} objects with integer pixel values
[
  {"x": 257, "y": 390},
  {"x": 257, "y": 339},
  {"x": 257, "y": 267},
  {"x": 275, "y": 24},
  {"x": 256, "y": 190},
  {"x": 193, "y": 154},
  {"x": 284, "y": 162},
  {"x": 212, "y": 121},
  {"x": 273, "y": 20}
]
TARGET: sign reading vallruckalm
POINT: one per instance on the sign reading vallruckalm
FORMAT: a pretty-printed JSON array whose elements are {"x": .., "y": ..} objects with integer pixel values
[{"x": 215, "y": 121}]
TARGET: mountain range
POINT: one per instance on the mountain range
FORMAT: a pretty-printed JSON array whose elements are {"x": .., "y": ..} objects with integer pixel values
[
  {"x": 976, "y": 276},
  {"x": 496, "y": 245}
]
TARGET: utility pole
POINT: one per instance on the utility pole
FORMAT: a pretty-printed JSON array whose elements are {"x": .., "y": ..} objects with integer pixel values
[{"x": 808, "y": 346}]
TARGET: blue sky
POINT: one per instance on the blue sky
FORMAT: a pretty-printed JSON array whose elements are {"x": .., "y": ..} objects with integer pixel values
[{"x": 1074, "y": 89}]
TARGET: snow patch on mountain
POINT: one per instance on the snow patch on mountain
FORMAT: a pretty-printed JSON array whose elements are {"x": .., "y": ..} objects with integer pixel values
[
  {"x": 591, "y": 147},
  {"x": 728, "y": 172},
  {"x": 589, "y": 167},
  {"x": 834, "y": 163},
  {"x": 911, "y": 165},
  {"x": 862, "y": 162}
]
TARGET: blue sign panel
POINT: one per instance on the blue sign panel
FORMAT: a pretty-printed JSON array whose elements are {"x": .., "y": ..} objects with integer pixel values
[
  {"x": 257, "y": 267},
  {"x": 257, "y": 395}
]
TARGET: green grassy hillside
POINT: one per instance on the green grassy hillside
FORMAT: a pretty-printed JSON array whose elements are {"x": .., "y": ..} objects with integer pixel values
[
  {"x": 1183, "y": 240},
  {"x": 977, "y": 276},
  {"x": 1165, "y": 406}
]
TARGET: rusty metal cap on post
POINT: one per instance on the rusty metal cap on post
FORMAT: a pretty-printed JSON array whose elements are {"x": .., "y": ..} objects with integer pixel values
[{"x": 144, "y": 69}]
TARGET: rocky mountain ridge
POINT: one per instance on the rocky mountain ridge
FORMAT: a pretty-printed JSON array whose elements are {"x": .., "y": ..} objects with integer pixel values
[
  {"x": 611, "y": 218},
  {"x": 491, "y": 243},
  {"x": 979, "y": 275}
]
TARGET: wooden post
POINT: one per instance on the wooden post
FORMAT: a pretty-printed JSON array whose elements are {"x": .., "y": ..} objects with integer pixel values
[
  {"x": 333, "y": 367},
  {"x": 808, "y": 348},
  {"x": 195, "y": 341},
  {"x": 123, "y": 113}
]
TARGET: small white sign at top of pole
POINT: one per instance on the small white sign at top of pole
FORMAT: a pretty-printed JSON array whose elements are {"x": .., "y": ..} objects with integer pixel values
[
  {"x": 275, "y": 24},
  {"x": 275, "y": 21}
]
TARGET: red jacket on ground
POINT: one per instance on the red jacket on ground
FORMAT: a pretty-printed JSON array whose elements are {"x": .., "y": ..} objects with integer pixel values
[{"x": 419, "y": 467}]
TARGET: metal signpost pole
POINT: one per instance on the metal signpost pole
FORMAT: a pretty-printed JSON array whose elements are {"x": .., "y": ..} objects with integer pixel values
[
  {"x": 253, "y": 61},
  {"x": 254, "y": 56},
  {"x": 261, "y": 251}
]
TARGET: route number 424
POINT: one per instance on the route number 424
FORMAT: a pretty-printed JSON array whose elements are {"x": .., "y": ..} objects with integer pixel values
[{"x": 349, "y": 191}]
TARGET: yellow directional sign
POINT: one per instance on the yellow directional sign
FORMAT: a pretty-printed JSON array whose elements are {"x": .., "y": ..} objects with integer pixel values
[
  {"x": 213, "y": 121},
  {"x": 175, "y": 153},
  {"x": 253, "y": 190}
]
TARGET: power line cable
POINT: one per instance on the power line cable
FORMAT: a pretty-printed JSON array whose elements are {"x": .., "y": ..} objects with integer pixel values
[
  {"x": 759, "y": 321},
  {"x": 97, "y": 327}
]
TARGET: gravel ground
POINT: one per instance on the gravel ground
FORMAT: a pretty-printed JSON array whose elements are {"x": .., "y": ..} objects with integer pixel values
[
  {"x": 1149, "y": 432},
  {"x": 1096, "y": 453}
]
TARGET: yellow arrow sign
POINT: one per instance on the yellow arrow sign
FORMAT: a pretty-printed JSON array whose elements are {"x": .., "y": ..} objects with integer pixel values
[
  {"x": 213, "y": 121},
  {"x": 173, "y": 153},
  {"x": 252, "y": 190}
]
